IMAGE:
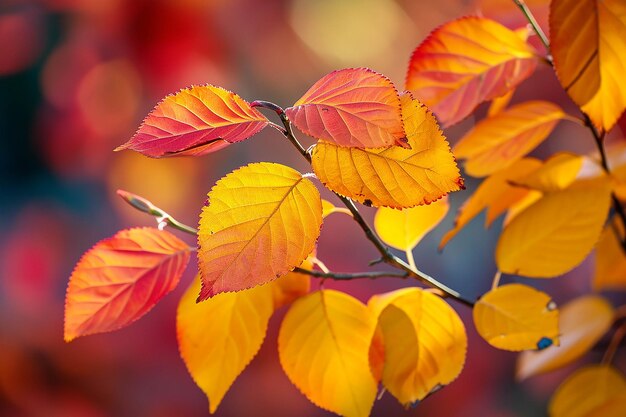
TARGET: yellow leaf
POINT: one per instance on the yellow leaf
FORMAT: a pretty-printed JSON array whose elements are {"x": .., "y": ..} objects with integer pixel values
[
  {"x": 403, "y": 229},
  {"x": 528, "y": 200},
  {"x": 498, "y": 141},
  {"x": 262, "y": 221},
  {"x": 615, "y": 407},
  {"x": 556, "y": 233},
  {"x": 499, "y": 103},
  {"x": 585, "y": 390},
  {"x": 329, "y": 208},
  {"x": 582, "y": 322},
  {"x": 324, "y": 345},
  {"x": 292, "y": 285},
  {"x": 425, "y": 342},
  {"x": 496, "y": 194},
  {"x": 556, "y": 173},
  {"x": 588, "y": 38},
  {"x": 219, "y": 337},
  {"x": 517, "y": 317},
  {"x": 393, "y": 177},
  {"x": 610, "y": 272}
]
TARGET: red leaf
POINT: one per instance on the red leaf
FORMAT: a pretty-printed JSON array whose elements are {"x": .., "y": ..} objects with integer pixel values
[
  {"x": 194, "y": 122},
  {"x": 354, "y": 107},
  {"x": 121, "y": 278}
]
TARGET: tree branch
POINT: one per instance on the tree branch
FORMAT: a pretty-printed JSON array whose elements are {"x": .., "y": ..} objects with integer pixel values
[
  {"x": 533, "y": 22},
  {"x": 349, "y": 276}
]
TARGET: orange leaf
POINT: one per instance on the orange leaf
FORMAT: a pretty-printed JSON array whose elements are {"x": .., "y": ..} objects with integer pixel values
[
  {"x": 465, "y": 62},
  {"x": 582, "y": 323},
  {"x": 393, "y": 177},
  {"x": 556, "y": 173},
  {"x": 262, "y": 221},
  {"x": 196, "y": 121},
  {"x": 354, "y": 107},
  {"x": 121, "y": 278},
  {"x": 610, "y": 270},
  {"x": 496, "y": 194},
  {"x": 498, "y": 141},
  {"x": 498, "y": 104},
  {"x": 292, "y": 285},
  {"x": 588, "y": 38}
]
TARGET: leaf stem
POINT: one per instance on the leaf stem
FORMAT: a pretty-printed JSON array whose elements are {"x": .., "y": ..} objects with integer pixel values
[
  {"x": 410, "y": 259},
  {"x": 533, "y": 22},
  {"x": 616, "y": 340}
]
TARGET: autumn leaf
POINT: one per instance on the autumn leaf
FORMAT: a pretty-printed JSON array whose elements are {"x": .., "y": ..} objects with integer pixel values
[
  {"x": 498, "y": 141},
  {"x": 517, "y": 317},
  {"x": 582, "y": 323},
  {"x": 496, "y": 194},
  {"x": 393, "y": 177},
  {"x": 403, "y": 229},
  {"x": 329, "y": 208},
  {"x": 556, "y": 173},
  {"x": 586, "y": 390},
  {"x": 587, "y": 39},
  {"x": 465, "y": 62},
  {"x": 196, "y": 121},
  {"x": 610, "y": 271},
  {"x": 425, "y": 342},
  {"x": 324, "y": 345},
  {"x": 292, "y": 285},
  {"x": 262, "y": 220},
  {"x": 614, "y": 407},
  {"x": 354, "y": 107},
  {"x": 498, "y": 104},
  {"x": 121, "y": 278},
  {"x": 556, "y": 233}
]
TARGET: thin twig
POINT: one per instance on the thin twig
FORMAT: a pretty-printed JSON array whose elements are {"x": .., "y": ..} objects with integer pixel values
[
  {"x": 616, "y": 340},
  {"x": 533, "y": 22},
  {"x": 349, "y": 276}
]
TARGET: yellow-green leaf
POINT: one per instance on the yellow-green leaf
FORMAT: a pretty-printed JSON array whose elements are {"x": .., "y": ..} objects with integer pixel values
[
  {"x": 517, "y": 317},
  {"x": 498, "y": 141},
  {"x": 587, "y": 39},
  {"x": 610, "y": 272},
  {"x": 403, "y": 229},
  {"x": 393, "y": 177},
  {"x": 262, "y": 221},
  {"x": 585, "y": 390},
  {"x": 582, "y": 323},
  {"x": 556, "y": 233},
  {"x": 219, "y": 337},
  {"x": 324, "y": 345},
  {"x": 425, "y": 342}
]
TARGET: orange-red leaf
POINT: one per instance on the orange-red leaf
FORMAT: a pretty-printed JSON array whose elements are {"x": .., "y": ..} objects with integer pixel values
[
  {"x": 121, "y": 278},
  {"x": 498, "y": 141},
  {"x": 196, "y": 121},
  {"x": 262, "y": 221},
  {"x": 465, "y": 62},
  {"x": 353, "y": 107},
  {"x": 588, "y": 39}
]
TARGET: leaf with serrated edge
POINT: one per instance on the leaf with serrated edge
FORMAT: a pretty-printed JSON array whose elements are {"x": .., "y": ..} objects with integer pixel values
[
  {"x": 324, "y": 345},
  {"x": 587, "y": 40},
  {"x": 425, "y": 342},
  {"x": 517, "y": 317},
  {"x": 498, "y": 141},
  {"x": 556, "y": 233},
  {"x": 121, "y": 278},
  {"x": 262, "y": 220},
  {"x": 393, "y": 177},
  {"x": 196, "y": 121},
  {"x": 582, "y": 323},
  {"x": 465, "y": 62},
  {"x": 354, "y": 107},
  {"x": 403, "y": 229}
]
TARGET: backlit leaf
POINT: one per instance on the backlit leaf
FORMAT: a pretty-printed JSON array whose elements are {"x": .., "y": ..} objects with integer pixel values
[
  {"x": 403, "y": 229},
  {"x": 586, "y": 390},
  {"x": 121, "y": 278},
  {"x": 517, "y": 317},
  {"x": 196, "y": 121},
  {"x": 219, "y": 337},
  {"x": 582, "y": 323},
  {"x": 556, "y": 233},
  {"x": 292, "y": 285},
  {"x": 354, "y": 107},
  {"x": 393, "y": 177},
  {"x": 499, "y": 103},
  {"x": 615, "y": 407},
  {"x": 498, "y": 141},
  {"x": 262, "y": 220},
  {"x": 610, "y": 272},
  {"x": 465, "y": 62},
  {"x": 496, "y": 194},
  {"x": 557, "y": 173},
  {"x": 588, "y": 38},
  {"x": 425, "y": 342},
  {"x": 324, "y": 345}
]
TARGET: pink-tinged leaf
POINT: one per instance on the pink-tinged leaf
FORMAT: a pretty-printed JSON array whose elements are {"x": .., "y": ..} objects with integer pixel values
[
  {"x": 196, "y": 121},
  {"x": 465, "y": 62},
  {"x": 354, "y": 107},
  {"x": 121, "y": 278}
]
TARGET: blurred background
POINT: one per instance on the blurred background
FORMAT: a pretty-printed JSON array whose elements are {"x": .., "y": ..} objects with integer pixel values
[{"x": 76, "y": 79}]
